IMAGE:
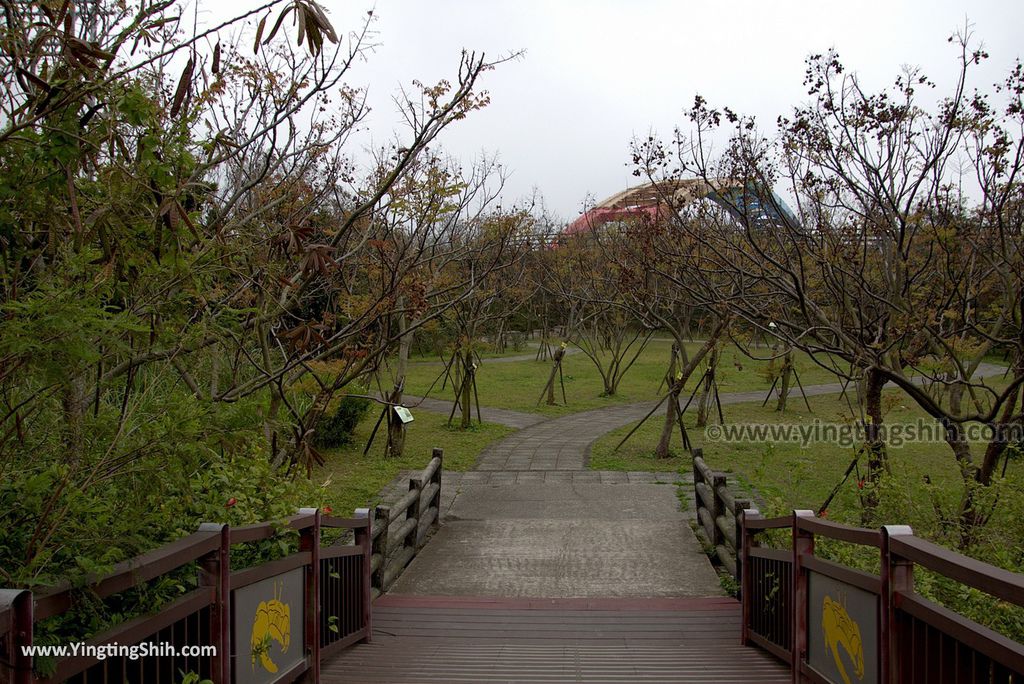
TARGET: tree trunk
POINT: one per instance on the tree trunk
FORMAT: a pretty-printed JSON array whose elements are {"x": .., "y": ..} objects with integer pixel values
[
  {"x": 707, "y": 393},
  {"x": 683, "y": 377},
  {"x": 396, "y": 428},
  {"x": 74, "y": 403},
  {"x": 875, "y": 443},
  {"x": 997, "y": 447},
  {"x": 468, "y": 375},
  {"x": 787, "y": 371},
  {"x": 559, "y": 353},
  {"x": 970, "y": 518},
  {"x": 664, "y": 442}
]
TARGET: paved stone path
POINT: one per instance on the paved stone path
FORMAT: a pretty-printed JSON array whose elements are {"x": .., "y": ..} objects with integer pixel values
[
  {"x": 525, "y": 535},
  {"x": 456, "y": 482},
  {"x": 501, "y": 359},
  {"x": 564, "y": 443},
  {"x": 515, "y": 419}
]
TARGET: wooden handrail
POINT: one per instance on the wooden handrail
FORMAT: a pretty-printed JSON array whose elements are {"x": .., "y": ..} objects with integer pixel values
[
  {"x": 341, "y": 576},
  {"x": 1003, "y": 584},
  {"x": 302, "y": 521},
  {"x": 778, "y": 523},
  {"x": 250, "y": 533},
  {"x": 718, "y": 514},
  {"x": 846, "y": 533},
  {"x": 132, "y": 572},
  {"x": 401, "y": 528},
  {"x": 344, "y": 523},
  {"x": 431, "y": 468},
  {"x": 899, "y": 605}
]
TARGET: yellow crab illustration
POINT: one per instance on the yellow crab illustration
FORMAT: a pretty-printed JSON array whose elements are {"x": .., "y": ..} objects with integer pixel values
[
  {"x": 272, "y": 623},
  {"x": 841, "y": 631}
]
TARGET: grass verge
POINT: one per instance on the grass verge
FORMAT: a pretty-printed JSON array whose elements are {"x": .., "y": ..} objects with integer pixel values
[
  {"x": 352, "y": 480},
  {"x": 518, "y": 385}
]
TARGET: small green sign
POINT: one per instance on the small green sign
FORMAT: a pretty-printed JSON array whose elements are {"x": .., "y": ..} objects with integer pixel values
[{"x": 404, "y": 414}]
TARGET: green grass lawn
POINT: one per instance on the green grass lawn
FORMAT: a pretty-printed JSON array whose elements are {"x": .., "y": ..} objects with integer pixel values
[
  {"x": 788, "y": 476},
  {"x": 484, "y": 350},
  {"x": 353, "y": 480},
  {"x": 518, "y": 385}
]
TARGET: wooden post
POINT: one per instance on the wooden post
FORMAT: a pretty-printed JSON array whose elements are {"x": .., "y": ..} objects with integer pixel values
[
  {"x": 364, "y": 538},
  {"x": 15, "y": 664},
  {"x": 897, "y": 575},
  {"x": 803, "y": 544},
  {"x": 438, "y": 454},
  {"x": 382, "y": 517},
  {"x": 739, "y": 506},
  {"x": 746, "y": 581},
  {"x": 215, "y": 572},
  {"x": 309, "y": 540},
  {"x": 717, "y": 480},
  {"x": 413, "y": 513},
  {"x": 697, "y": 476}
]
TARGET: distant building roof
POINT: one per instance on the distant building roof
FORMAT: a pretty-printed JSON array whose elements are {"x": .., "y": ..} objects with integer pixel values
[{"x": 652, "y": 199}]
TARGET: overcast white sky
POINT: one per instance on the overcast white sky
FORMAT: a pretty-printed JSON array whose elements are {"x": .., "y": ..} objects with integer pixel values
[{"x": 596, "y": 74}]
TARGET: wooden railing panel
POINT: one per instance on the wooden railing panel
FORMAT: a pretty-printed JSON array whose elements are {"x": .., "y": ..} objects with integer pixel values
[
  {"x": 337, "y": 590},
  {"x": 342, "y": 601},
  {"x": 400, "y": 529},
  {"x": 718, "y": 515},
  {"x": 184, "y": 623},
  {"x": 917, "y": 640},
  {"x": 15, "y": 633}
]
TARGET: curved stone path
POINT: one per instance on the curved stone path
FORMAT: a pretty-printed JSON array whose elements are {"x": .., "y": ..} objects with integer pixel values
[
  {"x": 514, "y": 419},
  {"x": 563, "y": 443},
  {"x": 500, "y": 359}
]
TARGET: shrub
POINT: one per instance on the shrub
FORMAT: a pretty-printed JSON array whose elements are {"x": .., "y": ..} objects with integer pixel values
[{"x": 336, "y": 430}]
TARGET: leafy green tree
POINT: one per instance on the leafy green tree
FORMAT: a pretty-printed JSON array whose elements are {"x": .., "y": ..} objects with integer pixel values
[{"x": 184, "y": 236}]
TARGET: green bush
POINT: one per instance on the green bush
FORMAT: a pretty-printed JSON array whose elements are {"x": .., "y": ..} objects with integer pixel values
[{"x": 336, "y": 430}]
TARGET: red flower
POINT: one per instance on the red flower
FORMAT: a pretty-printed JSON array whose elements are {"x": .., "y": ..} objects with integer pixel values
[
  {"x": 231, "y": 502},
  {"x": 860, "y": 483},
  {"x": 327, "y": 509},
  {"x": 824, "y": 513}
]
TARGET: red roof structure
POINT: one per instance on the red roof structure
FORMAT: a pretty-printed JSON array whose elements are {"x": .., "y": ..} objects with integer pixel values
[{"x": 652, "y": 200}]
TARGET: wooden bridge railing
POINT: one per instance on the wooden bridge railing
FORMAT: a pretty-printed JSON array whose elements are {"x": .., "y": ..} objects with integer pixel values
[
  {"x": 293, "y": 611},
  {"x": 718, "y": 514},
  {"x": 318, "y": 598},
  {"x": 400, "y": 530},
  {"x": 832, "y": 623}
]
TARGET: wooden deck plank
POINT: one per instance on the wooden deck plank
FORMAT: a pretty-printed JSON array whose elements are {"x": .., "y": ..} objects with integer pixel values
[{"x": 468, "y": 639}]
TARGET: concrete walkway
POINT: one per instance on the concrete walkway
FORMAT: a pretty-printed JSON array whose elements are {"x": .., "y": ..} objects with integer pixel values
[
  {"x": 532, "y": 521},
  {"x": 562, "y": 539}
]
